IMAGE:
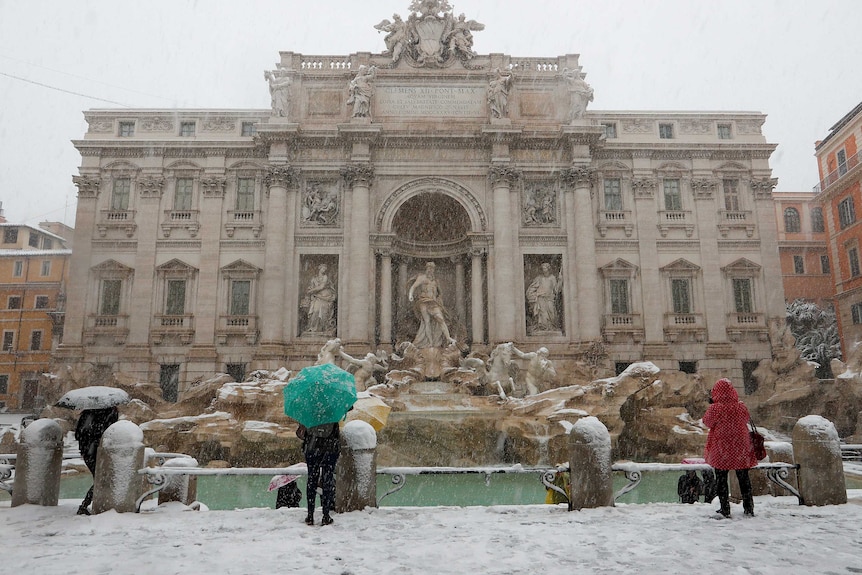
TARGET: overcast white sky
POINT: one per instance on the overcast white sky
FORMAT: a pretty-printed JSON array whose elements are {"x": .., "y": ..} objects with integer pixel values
[{"x": 795, "y": 60}]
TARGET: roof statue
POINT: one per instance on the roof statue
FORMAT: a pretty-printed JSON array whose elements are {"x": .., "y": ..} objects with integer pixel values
[{"x": 431, "y": 36}]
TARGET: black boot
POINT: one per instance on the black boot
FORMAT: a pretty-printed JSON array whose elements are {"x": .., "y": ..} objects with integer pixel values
[
  {"x": 309, "y": 519},
  {"x": 327, "y": 520}
]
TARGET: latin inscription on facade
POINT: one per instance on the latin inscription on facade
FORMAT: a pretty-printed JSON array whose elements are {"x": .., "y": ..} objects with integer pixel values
[{"x": 432, "y": 101}]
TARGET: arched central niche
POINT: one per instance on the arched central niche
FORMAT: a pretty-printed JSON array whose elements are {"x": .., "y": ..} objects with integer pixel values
[{"x": 430, "y": 219}]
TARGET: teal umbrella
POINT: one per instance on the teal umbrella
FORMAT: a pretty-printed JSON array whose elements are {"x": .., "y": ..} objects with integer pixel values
[{"x": 319, "y": 394}]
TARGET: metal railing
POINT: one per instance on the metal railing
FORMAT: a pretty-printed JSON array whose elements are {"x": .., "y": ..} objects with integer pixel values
[{"x": 838, "y": 173}]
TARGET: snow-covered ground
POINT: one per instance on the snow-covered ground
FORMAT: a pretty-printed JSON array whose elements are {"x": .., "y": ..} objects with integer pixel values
[{"x": 784, "y": 538}]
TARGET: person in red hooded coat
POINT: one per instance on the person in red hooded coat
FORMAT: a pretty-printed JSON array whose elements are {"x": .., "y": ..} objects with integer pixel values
[{"x": 728, "y": 445}]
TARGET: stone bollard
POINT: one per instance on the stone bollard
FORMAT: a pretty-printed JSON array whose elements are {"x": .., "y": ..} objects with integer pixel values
[
  {"x": 38, "y": 465},
  {"x": 356, "y": 471},
  {"x": 590, "y": 465},
  {"x": 182, "y": 488},
  {"x": 121, "y": 455},
  {"x": 817, "y": 450}
]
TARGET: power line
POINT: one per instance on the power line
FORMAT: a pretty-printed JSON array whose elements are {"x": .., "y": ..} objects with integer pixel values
[
  {"x": 63, "y": 90},
  {"x": 85, "y": 78}
]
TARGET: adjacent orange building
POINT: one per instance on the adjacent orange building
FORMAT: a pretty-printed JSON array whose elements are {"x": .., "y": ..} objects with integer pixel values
[
  {"x": 839, "y": 194},
  {"x": 806, "y": 267},
  {"x": 34, "y": 271}
]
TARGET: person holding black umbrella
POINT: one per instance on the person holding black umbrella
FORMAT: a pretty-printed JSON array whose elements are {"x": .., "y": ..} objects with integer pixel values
[
  {"x": 91, "y": 426},
  {"x": 321, "y": 446}
]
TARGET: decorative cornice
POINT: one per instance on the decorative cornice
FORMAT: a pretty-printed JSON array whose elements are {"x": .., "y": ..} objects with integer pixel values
[
  {"x": 280, "y": 175},
  {"x": 501, "y": 174},
  {"x": 577, "y": 176},
  {"x": 358, "y": 173},
  {"x": 150, "y": 186},
  {"x": 157, "y": 124},
  {"x": 88, "y": 186},
  {"x": 213, "y": 187},
  {"x": 100, "y": 125},
  {"x": 219, "y": 124}
]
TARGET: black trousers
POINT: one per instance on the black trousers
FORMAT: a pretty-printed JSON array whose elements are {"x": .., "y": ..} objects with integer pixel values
[
  {"x": 321, "y": 470},
  {"x": 88, "y": 453},
  {"x": 744, "y": 487}
]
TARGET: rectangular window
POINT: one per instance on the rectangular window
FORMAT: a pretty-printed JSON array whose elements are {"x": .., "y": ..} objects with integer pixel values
[
  {"x": 36, "y": 340},
  {"x": 724, "y": 132},
  {"x": 120, "y": 194},
  {"x": 613, "y": 195},
  {"x": 34, "y": 240},
  {"x": 47, "y": 243},
  {"x": 46, "y": 268},
  {"x": 853, "y": 258},
  {"x": 240, "y": 294},
  {"x": 688, "y": 367},
  {"x": 127, "y": 129},
  {"x": 681, "y": 295},
  {"x": 856, "y": 313},
  {"x": 610, "y": 129},
  {"x": 4, "y": 384},
  {"x": 10, "y": 235},
  {"x": 14, "y": 302},
  {"x": 824, "y": 264},
  {"x": 842, "y": 162},
  {"x": 183, "y": 194},
  {"x": 187, "y": 129},
  {"x": 731, "y": 195},
  {"x": 672, "y": 196},
  {"x": 798, "y": 265},
  {"x": 175, "y": 303},
  {"x": 169, "y": 381},
  {"x": 619, "y": 296},
  {"x": 110, "y": 302},
  {"x": 42, "y": 302},
  {"x": 846, "y": 212},
  {"x": 817, "y": 224},
  {"x": 665, "y": 131},
  {"x": 245, "y": 194},
  {"x": 8, "y": 340},
  {"x": 742, "y": 300},
  {"x": 248, "y": 129},
  {"x": 18, "y": 268}
]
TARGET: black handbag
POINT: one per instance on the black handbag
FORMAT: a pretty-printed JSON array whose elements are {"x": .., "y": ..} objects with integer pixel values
[{"x": 757, "y": 440}]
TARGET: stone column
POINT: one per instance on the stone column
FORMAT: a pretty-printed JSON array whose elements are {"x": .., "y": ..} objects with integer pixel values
[
  {"x": 403, "y": 277},
  {"x": 768, "y": 228},
  {"x": 85, "y": 223},
  {"x": 38, "y": 465},
  {"x": 477, "y": 301},
  {"x": 278, "y": 260},
  {"x": 504, "y": 255},
  {"x": 817, "y": 450},
  {"x": 356, "y": 470},
  {"x": 706, "y": 213},
  {"x": 460, "y": 291},
  {"x": 120, "y": 456},
  {"x": 590, "y": 465},
  {"x": 357, "y": 251},
  {"x": 579, "y": 199},
  {"x": 385, "y": 295}
]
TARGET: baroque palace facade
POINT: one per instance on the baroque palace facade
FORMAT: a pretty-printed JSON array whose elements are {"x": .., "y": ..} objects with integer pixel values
[{"x": 233, "y": 240}]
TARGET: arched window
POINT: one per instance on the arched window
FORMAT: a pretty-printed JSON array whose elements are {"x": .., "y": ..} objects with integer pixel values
[
  {"x": 791, "y": 220},
  {"x": 817, "y": 220}
]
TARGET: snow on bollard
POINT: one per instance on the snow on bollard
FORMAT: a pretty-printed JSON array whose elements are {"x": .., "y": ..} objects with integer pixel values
[
  {"x": 356, "y": 470},
  {"x": 590, "y": 464},
  {"x": 817, "y": 450},
  {"x": 38, "y": 465},
  {"x": 121, "y": 455},
  {"x": 182, "y": 488}
]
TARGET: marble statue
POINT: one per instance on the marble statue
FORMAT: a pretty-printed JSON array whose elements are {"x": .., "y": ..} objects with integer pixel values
[
  {"x": 459, "y": 38},
  {"x": 542, "y": 296},
  {"x": 502, "y": 370},
  {"x": 540, "y": 370},
  {"x": 498, "y": 94},
  {"x": 428, "y": 305},
  {"x": 330, "y": 351},
  {"x": 321, "y": 296},
  {"x": 320, "y": 206},
  {"x": 361, "y": 88},
  {"x": 396, "y": 37},
  {"x": 540, "y": 208},
  {"x": 365, "y": 369},
  {"x": 279, "y": 91},
  {"x": 581, "y": 93}
]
